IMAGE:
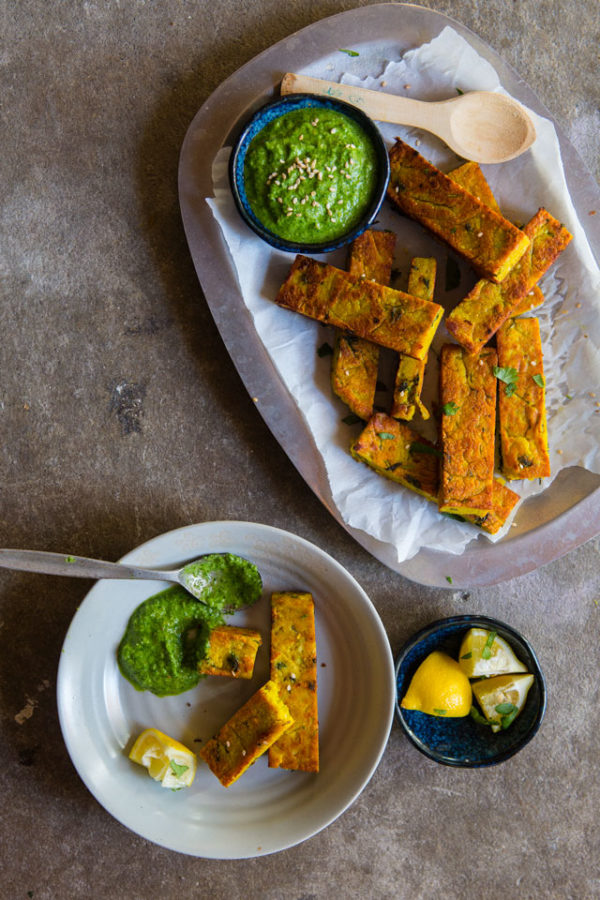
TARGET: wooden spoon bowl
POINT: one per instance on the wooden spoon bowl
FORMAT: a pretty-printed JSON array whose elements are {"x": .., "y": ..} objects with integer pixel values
[{"x": 481, "y": 125}]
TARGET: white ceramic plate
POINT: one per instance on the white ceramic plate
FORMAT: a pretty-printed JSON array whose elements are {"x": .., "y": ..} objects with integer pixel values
[{"x": 267, "y": 809}]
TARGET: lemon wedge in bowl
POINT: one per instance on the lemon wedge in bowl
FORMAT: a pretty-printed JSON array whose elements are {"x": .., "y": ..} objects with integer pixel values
[
  {"x": 167, "y": 761},
  {"x": 439, "y": 687},
  {"x": 484, "y": 652},
  {"x": 502, "y": 698}
]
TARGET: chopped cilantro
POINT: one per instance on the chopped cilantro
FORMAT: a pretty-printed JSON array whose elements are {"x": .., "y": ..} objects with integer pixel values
[
  {"x": 505, "y": 708},
  {"x": 177, "y": 768},
  {"x": 450, "y": 409},
  {"x": 386, "y": 436},
  {"x": 459, "y": 92},
  {"x": 467, "y": 655},
  {"x": 509, "y": 376},
  {"x": 349, "y": 52},
  {"x": 477, "y": 717},
  {"x": 440, "y": 712},
  {"x": 449, "y": 579},
  {"x": 486, "y": 653},
  {"x": 539, "y": 380}
]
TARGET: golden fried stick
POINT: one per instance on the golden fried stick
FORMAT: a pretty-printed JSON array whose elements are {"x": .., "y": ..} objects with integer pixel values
[
  {"x": 488, "y": 241},
  {"x": 369, "y": 310},
  {"x": 521, "y": 403},
  {"x": 468, "y": 404}
]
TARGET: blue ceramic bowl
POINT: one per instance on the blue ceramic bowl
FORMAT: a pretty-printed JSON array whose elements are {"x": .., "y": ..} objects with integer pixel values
[
  {"x": 464, "y": 742},
  {"x": 267, "y": 114}
]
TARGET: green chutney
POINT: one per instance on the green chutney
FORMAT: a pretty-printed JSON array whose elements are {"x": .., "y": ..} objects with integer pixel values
[
  {"x": 168, "y": 634},
  {"x": 310, "y": 175}
]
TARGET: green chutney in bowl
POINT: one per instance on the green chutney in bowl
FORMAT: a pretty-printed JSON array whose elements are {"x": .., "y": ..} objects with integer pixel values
[{"x": 309, "y": 173}]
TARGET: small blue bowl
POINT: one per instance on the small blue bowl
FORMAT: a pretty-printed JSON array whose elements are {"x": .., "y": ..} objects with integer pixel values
[
  {"x": 267, "y": 114},
  {"x": 463, "y": 742}
]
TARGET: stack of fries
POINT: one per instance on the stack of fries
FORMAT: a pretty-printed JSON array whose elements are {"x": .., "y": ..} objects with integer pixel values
[{"x": 491, "y": 384}]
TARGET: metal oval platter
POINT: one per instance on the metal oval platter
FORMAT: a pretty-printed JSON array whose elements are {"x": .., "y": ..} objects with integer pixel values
[{"x": 547, "y": 525}]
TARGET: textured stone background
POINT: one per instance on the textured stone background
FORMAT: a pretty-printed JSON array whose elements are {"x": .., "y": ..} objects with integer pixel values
[{"x": 123, "y": 417}]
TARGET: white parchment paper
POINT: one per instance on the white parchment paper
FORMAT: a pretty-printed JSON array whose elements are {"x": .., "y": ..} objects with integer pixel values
[{"x": 569, "y": 318}]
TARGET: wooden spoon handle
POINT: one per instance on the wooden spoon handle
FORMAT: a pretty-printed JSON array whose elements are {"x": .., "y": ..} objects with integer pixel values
[{"x": 376, "y": 104}]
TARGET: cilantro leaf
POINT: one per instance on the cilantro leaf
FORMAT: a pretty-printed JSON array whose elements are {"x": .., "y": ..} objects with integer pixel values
[
  {"x": 349, "y": 52},
  {"x": 386, "y": 436},
  {"x": 486, "y": 653},
  {"x": 539, "y": 380},
  {"x": 177, "y": 768},
  {"x": 477, "y": 717},
  {"x": 509, "y": 376},
  {"x": 450, "y": 409}
]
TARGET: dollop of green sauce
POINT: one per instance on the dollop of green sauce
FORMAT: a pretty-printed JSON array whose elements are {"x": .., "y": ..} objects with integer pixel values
[
  {"x": 310, "y": 174},
  {"x": 167, "y": 635}
]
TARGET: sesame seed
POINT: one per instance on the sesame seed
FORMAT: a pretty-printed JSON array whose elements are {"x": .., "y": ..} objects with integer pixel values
[
  {"x": 243, "y": 752},
  {"x": 480, "y": 234},
  {"x": 332, "y": 130}
]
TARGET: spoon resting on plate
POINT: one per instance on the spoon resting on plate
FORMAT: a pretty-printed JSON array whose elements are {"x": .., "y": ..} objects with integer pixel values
[
  {"x": 480, "y": 125},
  {"x": 203, "y": 578}
]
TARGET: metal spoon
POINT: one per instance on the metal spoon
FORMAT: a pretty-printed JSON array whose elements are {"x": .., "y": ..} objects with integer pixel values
[
  {"x": 82, "y": 567},
  {"x": 480, "y": 125}
]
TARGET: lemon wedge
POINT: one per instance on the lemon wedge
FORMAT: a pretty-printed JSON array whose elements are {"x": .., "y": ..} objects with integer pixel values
[
  {"x": 439, "y": 687},
  {"x": 502, "y": 698},
  {"x": 483, "y": 652},
  {"x": 167, "y": 760}
]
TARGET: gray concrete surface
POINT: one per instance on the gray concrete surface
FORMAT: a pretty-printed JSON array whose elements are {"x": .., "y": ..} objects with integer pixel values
[{"x": 123, "y": 417}]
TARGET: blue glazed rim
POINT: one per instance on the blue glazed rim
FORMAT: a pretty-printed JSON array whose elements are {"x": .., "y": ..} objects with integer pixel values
[
  {"x": 273, "y": 110},
  {"x": 463, "y": 742}
]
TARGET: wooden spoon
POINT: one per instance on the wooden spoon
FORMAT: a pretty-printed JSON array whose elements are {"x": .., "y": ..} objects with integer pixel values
[{"x": 480, "y": 125}]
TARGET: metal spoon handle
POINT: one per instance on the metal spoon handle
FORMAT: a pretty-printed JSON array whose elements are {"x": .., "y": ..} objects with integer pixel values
[{"x": 75, "y": 566}]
